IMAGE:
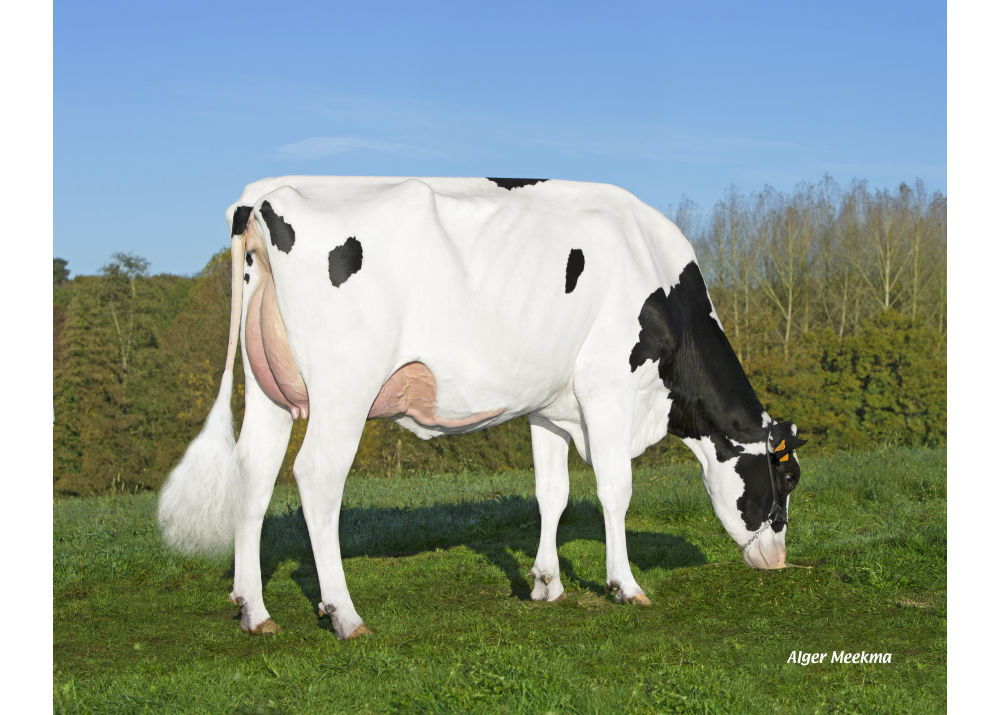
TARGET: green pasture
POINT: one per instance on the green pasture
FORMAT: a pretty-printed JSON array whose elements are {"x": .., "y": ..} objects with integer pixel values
[{"x": 436, "y": 568}]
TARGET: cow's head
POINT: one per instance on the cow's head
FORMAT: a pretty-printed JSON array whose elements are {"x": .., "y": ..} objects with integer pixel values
[{"x": 749, "y": 486}]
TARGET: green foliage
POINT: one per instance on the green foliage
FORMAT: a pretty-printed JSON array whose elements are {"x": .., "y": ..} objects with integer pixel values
[
  {"x": 138, "y": 361},
  {"x": 884, "y": 385},
  {"x": 436, "y": 568},
  {"x": 137, "y": 367},
  {"x": 115, "y": 414}
]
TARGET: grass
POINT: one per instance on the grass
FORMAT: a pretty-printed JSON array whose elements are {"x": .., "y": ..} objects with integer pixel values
[{"x": 436, "y": 568}]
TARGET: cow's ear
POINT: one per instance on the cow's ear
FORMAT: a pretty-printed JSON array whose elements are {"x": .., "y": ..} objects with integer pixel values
[
  {"x": 784, "y": 438},
  {"x": 794, "y": 442},
  {"x": 779, "y": 437}
]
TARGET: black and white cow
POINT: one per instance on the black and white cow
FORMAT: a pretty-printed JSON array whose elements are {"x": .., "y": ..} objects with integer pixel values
[{"x": 448, "y": 306}]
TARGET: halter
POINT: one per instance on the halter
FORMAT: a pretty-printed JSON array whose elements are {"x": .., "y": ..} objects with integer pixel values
[{"x": 778, "y": 511}]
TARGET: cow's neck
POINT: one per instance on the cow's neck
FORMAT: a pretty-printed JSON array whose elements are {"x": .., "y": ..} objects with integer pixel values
[{"x": 711, "y": 395}]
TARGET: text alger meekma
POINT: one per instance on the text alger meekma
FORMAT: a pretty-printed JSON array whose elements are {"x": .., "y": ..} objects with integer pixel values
[{"x": 802, "y": 658}]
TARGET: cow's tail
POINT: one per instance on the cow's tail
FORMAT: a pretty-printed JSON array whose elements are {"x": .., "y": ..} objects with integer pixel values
[{"x": 202, "y": 501}]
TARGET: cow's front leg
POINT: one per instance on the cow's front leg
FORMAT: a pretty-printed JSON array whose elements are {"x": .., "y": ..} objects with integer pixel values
[
  {"x": 609, "y": 431},
  {"x": 550, "y": 449},
  {"x": 261, "y": 447},
  {"x": 321, "y": 470}
]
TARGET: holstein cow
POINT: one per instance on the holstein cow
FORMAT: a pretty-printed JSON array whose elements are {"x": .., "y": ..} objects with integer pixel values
[{"x": 449, "y": 306}]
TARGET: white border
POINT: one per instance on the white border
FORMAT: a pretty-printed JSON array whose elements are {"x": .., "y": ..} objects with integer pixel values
[
  {"x": 973, "y": 259},
  {"x": 26, "y": 362}
]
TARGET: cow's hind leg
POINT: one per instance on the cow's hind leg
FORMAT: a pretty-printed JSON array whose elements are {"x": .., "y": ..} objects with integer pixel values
[
  {"x": 260, "y": 450},
  {"x": 321, "y": 470},
  {"x": 550, "y": 449},
  {"x": 609, "y": 429}
]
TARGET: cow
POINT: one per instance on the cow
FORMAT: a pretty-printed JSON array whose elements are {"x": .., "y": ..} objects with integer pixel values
[{"x": 449, "y": 305}]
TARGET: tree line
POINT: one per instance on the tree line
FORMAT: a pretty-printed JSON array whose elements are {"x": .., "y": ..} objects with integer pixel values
[
  {"x": 834, "y": 300},
  {"x": 823, "y": 257}
]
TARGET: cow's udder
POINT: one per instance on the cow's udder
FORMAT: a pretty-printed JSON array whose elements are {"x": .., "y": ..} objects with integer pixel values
[{"x": 412, "y": 391}]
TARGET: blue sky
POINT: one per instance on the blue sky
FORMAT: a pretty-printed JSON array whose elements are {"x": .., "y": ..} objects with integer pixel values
[{"x": 164, "y": 111}]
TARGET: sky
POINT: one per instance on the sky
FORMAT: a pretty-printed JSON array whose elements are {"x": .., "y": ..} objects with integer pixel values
[{"x": 163, "y": 112}]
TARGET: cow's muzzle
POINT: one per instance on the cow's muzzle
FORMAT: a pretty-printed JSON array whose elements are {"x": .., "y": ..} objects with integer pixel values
[{"x": 766, "y": 550}]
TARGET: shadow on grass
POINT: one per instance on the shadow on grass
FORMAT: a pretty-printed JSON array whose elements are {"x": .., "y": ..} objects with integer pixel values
[{"x": 497, "y": 530}]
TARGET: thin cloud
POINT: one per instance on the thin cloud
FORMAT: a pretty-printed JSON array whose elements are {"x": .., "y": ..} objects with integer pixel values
[
  {"x": 865, "y": 169},
  {"x": 649, "y": 142},
  {"x": 320, "y": 147}
]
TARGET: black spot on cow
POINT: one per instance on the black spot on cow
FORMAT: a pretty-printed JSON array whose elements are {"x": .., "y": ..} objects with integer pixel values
[
  {"x": 510, "y": 184},
  {"x": 249, "y": 258},
  {"x": 246, "y": 277},
  {"x": 345, "y": 261},
  {"x": 240, "y": 220},
  {"x": 758, "y": 496},
  {"x": 282, "y": 233},
  {"x": 574, "y": 267},
  {"x": 711, "y": 395}
]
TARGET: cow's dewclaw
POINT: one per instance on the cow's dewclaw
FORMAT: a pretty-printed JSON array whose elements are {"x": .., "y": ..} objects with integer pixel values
[
  {"x": 325, "y": 609},
  {"x": 547, "y": 588}
]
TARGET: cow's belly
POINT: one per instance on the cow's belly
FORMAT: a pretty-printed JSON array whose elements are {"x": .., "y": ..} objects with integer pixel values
[{"x": 432, "y": 402}]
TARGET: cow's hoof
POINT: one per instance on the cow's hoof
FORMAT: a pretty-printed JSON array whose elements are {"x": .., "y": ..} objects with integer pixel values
[
  {"x": 638, "y": 599},
  {"x": 543, "y": 597},
  {"x": 359, "y": 631},
  {"x": 267, "y": 628}
]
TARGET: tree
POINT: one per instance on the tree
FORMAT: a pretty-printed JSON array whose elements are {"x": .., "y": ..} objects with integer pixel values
[
  {"x": 937, "y": 219},
  {"x": 889, "y": 245},
  {"x": 120, "y": 296},
  {"x": 840, "y": 283},
  {"x": 788, "y": 233},
  {"x": 731, "y": 254},
  {"x": 59, "y": 271}
]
